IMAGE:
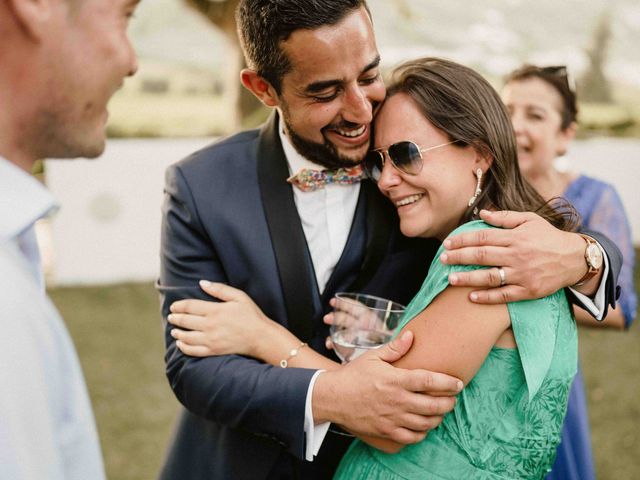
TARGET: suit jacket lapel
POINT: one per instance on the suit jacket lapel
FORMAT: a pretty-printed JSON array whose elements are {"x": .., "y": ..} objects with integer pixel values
[
  {"x": 287, "y": 235},
  {"x": 380, "y": 221}
]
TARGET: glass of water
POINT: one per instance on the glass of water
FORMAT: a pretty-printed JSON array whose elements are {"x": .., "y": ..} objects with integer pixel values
[{"x": 362, "y": 322}]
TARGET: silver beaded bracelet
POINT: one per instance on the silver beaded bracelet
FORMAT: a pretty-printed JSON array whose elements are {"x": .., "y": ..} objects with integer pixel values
[{"x": 284, "y": 363}]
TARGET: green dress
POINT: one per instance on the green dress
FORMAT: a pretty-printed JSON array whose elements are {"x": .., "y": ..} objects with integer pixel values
[{"x": 507, "y": 421}]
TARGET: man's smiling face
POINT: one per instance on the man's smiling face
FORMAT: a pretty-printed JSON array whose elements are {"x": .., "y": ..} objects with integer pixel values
[{"x": 328, "y": 97}]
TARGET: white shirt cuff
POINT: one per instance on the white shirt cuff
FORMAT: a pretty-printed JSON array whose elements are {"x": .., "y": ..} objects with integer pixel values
[
  {"x": 596, "y": 305},
  {"x": 313, "y": 433}
]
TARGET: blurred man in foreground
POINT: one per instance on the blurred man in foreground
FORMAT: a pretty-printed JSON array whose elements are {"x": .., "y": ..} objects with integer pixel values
[{"x": 61, "y": 60}]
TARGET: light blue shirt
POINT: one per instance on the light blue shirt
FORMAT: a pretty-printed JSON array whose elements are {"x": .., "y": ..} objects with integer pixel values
[{"x": 47, "y": 428}]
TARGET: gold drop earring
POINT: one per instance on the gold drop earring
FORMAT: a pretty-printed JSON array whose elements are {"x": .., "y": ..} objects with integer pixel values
[{"x": 473, "y": 199}]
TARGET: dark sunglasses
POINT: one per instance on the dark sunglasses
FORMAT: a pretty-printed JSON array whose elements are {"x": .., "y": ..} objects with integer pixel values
[
  {"x": 405, "y": 156},
  {"x": 561, "y": 72}
]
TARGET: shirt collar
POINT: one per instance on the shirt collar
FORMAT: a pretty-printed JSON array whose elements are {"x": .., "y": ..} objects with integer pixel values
[
  {"x": 23, "y": 200},
  {"x": 295, "y": 160}
]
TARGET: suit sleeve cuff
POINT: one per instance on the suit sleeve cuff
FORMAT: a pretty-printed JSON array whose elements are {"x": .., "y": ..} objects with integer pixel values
[
  {"x": 314, "y": 434},
  {"x": 596, "y": 306}
]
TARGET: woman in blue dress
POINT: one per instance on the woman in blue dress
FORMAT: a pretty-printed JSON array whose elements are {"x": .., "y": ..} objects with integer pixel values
[{"x": 543, "y": 109}]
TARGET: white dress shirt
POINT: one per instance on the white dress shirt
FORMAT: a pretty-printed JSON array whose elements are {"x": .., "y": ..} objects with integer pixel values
[
  {"x": 326, "y": 216},
  {"x": 47, "y": 429}
]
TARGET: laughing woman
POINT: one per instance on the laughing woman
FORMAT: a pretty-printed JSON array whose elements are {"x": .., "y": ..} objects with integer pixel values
[
  {"x": 444, "y": 149},
  {"x": 543, "y": 108}
]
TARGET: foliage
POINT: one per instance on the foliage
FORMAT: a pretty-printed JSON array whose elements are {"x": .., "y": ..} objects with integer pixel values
[
  {"x": 135, "y": 114},
  {"x": 609, "y": 119},
  {"x": 169, "y": 115}
]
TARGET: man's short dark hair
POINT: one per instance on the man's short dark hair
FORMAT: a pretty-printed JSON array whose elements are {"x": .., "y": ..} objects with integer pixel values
[{"x": 264, "y": 24}]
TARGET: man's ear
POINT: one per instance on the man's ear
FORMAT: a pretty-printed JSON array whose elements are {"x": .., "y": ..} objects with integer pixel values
[
  {"x": 260, "y": 87},
  {"x": 32, "y": 16}
]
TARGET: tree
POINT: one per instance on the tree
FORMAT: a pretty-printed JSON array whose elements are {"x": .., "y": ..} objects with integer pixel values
[
  {"x": 221, "y": 13},
  {"x": 593, "y": 86}
]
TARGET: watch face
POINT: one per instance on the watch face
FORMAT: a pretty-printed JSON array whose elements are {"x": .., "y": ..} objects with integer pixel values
[{"x": 594, "y": 256}]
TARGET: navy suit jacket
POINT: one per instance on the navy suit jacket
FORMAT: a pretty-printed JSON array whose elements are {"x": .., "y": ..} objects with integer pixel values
[{"x": 229, "y": 216}]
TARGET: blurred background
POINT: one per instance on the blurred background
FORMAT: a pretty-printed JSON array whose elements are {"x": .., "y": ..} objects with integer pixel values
[{"x": 101, "y": 249}]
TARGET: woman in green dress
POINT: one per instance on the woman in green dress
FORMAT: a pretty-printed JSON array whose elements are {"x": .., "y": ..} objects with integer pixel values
[{"x": 444, "y": 150}]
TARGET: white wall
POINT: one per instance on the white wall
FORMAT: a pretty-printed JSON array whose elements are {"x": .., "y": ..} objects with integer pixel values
[
  {"x": 616, "y": 161},
  {"x": 108, "y": 227}
]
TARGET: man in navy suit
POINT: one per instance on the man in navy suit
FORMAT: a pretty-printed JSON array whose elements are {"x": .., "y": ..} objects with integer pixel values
[{"x": 231, "y": 216}]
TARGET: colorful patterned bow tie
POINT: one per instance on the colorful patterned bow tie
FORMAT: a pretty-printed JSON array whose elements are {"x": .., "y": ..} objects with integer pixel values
[{"x": 309, "y": 180}]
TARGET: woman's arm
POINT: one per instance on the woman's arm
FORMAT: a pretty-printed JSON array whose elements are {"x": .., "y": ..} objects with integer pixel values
[
  {"x": 614, "y": 318},
  {"x": 609, "y": 218},
  {"x": 208, "y": 328},
  {"x": 213, "y": 328},
  {"x": 454, "y": 336}
]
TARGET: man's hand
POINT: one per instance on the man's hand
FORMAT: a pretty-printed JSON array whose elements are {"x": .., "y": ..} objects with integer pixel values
[
  {"x": 369, "y": 397},
  {"x": 537, "y": 258}
]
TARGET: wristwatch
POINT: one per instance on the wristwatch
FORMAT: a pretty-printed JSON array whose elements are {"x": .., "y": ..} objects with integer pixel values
[{"x": 594, "y": 258}]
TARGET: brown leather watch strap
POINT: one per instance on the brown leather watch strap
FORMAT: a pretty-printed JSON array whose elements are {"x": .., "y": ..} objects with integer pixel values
[{"x": 592, "y": 270}]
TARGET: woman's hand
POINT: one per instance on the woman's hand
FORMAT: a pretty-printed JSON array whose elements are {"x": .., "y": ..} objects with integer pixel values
[{"x": 235, "y": 325}]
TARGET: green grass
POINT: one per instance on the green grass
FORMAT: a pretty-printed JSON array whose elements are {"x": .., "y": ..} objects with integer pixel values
[
  {"x": 167, "y": 115},
  {"x": 118, "y": 336},
  {"x": 618, "y": 120},
  {"x": 611, "y": 366},
  {"x": 119, "y": 339},
  {"x": 136, "y": 114}
]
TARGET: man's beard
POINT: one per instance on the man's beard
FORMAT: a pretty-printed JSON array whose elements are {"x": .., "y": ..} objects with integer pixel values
[{"x": 324, "y": 154}]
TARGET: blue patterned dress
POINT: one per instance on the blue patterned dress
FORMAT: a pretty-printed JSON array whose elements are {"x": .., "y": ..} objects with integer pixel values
[
  {"x": 601, "y": 209},
  {"x": 506, "y": 423}
]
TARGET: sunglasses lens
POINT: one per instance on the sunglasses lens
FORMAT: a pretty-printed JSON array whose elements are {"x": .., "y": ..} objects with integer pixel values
[
  {"x": 406, "y": 157},
  {"x": 372, "y": 164}
]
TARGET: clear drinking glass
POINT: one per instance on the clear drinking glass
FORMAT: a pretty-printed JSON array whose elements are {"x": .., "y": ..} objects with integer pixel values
[{"x": 362, "y": 322}]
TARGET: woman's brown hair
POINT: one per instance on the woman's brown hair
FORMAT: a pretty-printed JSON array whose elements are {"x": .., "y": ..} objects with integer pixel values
[
  {"x": 463, "y": 105},
  {"x": 556, "y": 77}
]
